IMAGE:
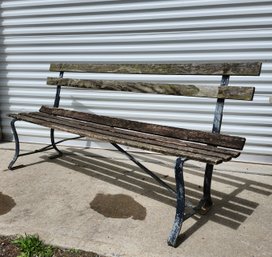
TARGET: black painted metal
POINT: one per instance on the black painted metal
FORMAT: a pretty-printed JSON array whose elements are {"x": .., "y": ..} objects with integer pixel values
[
  {"x": 179, "y": 218},
  {"x": 206, "y": 201},
  {"x": 57, "y": 97},
  {"x": 145, "y": 169},
  {"x": 179, "y": 193},
  {"x": 52, "y": 131},
  {"x": 43, "y": 149},
  {"x": 52, "y": 137},
  {"x": 67, "y": 139},
  {"x": 48, "y": 147},
  {"x": 218, "y": 115},
  {"x": 191, "y": 207},
  {"x": 17, "y": 144}
]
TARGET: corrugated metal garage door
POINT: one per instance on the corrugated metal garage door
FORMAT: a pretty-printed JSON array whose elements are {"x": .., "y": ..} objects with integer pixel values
[{"x": 35, "y": 33}]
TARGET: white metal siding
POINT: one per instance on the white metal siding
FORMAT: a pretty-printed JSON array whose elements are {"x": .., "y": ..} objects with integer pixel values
[{"x": 35, "y": 33}]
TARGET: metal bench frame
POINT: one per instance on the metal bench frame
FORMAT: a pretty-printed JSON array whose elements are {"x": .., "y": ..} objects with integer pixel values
[{"x": 205, "y": 202}]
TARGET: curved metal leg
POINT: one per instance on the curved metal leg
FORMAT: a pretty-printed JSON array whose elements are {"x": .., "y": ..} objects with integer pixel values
[
  {"x": 17, "y": 144},
  {"x": 206, "y": 203},
  {"x": 172, "y": 239},
  {"x": 54, "y": 144}
]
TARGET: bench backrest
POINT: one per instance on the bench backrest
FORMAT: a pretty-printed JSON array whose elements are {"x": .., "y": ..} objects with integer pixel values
[{"x": 221, "y": 92}]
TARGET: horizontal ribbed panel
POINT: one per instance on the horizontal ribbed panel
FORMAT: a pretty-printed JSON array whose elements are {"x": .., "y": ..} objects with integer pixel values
[{"x": 36, "y": 33}]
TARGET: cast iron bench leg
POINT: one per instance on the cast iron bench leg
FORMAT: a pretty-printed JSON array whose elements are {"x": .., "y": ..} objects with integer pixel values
[
  {"x": 53, "y": 143},
  {"x": 17, "y": 154},
  {"x": 172, "y": 239},
  {"x": 17, "y": 144},
  {"x": 206, "y": 203}
]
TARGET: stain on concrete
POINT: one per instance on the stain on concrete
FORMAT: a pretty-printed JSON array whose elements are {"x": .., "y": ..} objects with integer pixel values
[
  {"x": 6, "y": 204},
  {"x": 118, "y": 206}
]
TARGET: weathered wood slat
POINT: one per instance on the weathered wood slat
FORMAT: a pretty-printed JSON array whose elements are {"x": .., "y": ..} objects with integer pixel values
[
  {"x": 115, "y": 139},
  {"x": 139, "y": 137},
  {"x": 240, "y": 69},
  {"x": 230, "y": 92},
  {"x": 179, "y": 133},
  {"x": 213, "y": 151},
  {"x": 132, "y": 136}
]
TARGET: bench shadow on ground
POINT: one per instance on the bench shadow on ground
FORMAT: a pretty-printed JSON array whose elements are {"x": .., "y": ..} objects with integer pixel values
[{"x": 230, "y": 209}]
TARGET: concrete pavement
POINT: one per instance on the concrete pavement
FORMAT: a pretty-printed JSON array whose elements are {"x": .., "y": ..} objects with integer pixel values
[{"x": 97, "y": 200}]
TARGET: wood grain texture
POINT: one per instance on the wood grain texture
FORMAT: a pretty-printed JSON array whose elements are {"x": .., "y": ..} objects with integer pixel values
[
  {"x": 172, "y": 132},
  {"x": 106, "y": 134},
  {"x": 225, "y": 154},
  {"x": 231, "y": 92},
  {"x": 171, "y": 142},
  {"x": 240, "y": 69}
]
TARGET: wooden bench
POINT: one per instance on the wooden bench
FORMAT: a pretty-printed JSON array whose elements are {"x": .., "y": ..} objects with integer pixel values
[{"x": 209, "y": 147}]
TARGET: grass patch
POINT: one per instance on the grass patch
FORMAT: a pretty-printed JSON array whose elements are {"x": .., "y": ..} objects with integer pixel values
[{"x": 32, "y": 246}]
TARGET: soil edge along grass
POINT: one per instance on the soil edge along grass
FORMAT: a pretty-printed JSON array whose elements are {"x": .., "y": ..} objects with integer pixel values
[{"x": 33, "y": 246}]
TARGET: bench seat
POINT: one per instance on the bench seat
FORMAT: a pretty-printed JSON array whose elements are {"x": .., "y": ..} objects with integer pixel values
[{"x": 107, "y": 129}]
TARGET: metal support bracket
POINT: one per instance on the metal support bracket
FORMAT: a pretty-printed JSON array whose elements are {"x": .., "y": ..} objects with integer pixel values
[
  {"x": 43, "y": 149},
  {"x": 145, "y": 169},
  {"x": 179, "y": 193}
]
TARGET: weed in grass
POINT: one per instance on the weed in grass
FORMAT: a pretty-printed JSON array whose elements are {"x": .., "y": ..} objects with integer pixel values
[{"x": 32, "y": 246}]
